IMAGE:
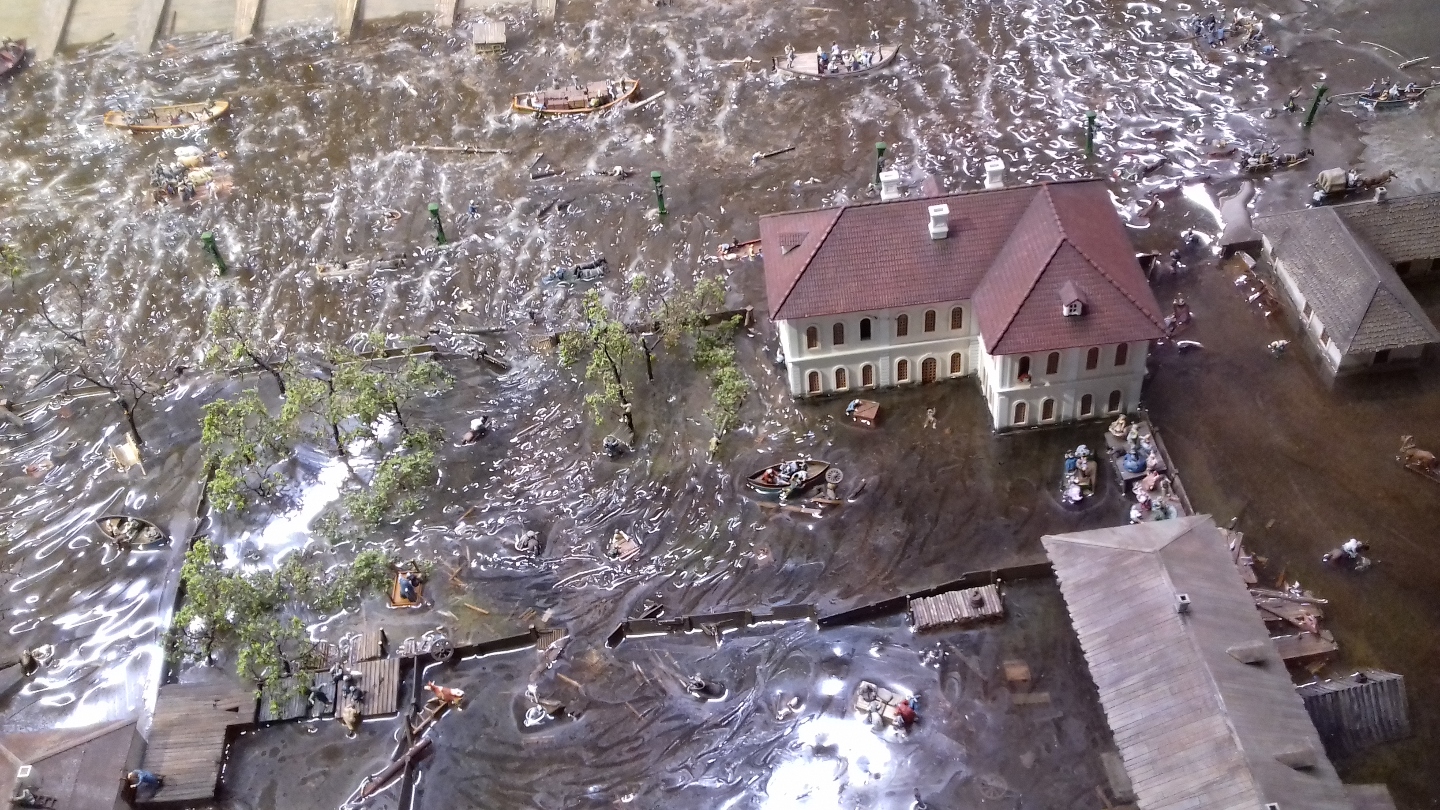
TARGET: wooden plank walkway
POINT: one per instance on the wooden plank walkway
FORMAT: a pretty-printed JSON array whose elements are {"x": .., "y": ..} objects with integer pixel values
[
  {"x": 149, "y": 17},
  {"x": 1358, "y": 711},
  {"x": 1286, "y": 613},
  {"x": 246, "y": 13},
  {"x": 379, "y": 682},
  {"x": 359, "y": 647},
  {"x": 188, "y": 737},
  {"x": 488, "y": 37},
  {"x": 957, "y": 607}
]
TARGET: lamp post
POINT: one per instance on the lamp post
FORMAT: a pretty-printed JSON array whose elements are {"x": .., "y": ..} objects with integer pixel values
[
  {"x": 209, "y": 239},
  {"x": 1315, "y": 107},
  {"x": 659, "y": 192},
  {"x": 1090, "y": 133},
  {"x": 879, "y": 160},
  {"x": 439, "y": 227}
]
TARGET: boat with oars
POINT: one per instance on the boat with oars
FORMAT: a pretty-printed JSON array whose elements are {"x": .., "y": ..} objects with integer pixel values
[
  {"x": 171, "y": 116},
  {"x": 1393, "y": 96},
  {"x": 580, "y": 99},
  {"x": 12, "y": 56},
  {"x": 832, "y": 64},
  {"x": 788, "y": 477}
]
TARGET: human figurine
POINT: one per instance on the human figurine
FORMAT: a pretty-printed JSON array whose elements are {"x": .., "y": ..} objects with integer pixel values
[
  {"x": 138, "y": 779},
  {"x": 1353, "y": 547},
  {"x": 409, "y": 582},
  {"x": 350, "y": 718},
  {"x": 905, "y": 714},
  {"x": 930, "y": 421},
  {"x": 478, "y": 429},
  {"x": 1153, "y": 461},
  {"x": 28, "y": 663},
  {"x": 1277, "y": 347},
  {"x": 319, "y": 701},
  {"x": 1119, "y": 427},
  {"x": 699, "y": 687}
]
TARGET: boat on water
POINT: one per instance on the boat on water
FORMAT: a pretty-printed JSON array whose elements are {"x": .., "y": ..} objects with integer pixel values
[
  {"x": 788, "y": 477},
  {"x": 12, "y": 56},
  {"x": 579, "y": 100},
  {"x": 1393, "y": 97},
  {"x": 171, "y": 116},
  {"x": 408, "y": 589},
  {"x": 136, "y": 534},
  {"x": 1269, "y": 161},
  {"x": 854, "y": 62}
]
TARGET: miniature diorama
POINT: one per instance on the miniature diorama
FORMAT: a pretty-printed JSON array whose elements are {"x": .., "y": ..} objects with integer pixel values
[{"x": 404, "y": 411}]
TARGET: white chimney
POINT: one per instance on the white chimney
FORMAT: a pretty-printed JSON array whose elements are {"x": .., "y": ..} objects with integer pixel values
[
  {"x": 994, "y": 173},
  {"x": 939, "y": 221},
  {"x": 1381, "y": 194},
  {"x": 889, "y": 185},
  {"x": 1182, "y": 603}
]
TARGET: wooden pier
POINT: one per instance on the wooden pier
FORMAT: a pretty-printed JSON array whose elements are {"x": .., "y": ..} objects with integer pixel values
[
  {"x": 296, "y": 694},
  {"x": 489, "y": 37},
  {"x": 1358, "y": 711},
  {"x": 956, "y": 608},
  {"x": 379, "y": 683},
  {"x": 188, "y": 737},
  {"x": 1306, "y": 648}
]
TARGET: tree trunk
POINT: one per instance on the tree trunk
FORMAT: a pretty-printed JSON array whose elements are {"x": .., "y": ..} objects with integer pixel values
[
  {"x": 279, "y": 381},
  {"x": 649, "y": 367},
  {"x": 620, "y": 386},
  {"x": 129, "y": 411}
]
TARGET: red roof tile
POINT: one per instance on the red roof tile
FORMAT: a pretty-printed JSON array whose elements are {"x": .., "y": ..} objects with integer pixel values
[{"x": 1010, "y": 250}]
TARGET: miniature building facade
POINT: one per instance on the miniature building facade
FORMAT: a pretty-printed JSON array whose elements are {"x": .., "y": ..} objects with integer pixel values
[
  {"x": 1340, "y": 270},
  {"x": 1033, "y": 290}
]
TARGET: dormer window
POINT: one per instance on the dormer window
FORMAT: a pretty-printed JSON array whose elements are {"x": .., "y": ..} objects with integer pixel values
[{"x": 1072, "y": 300}]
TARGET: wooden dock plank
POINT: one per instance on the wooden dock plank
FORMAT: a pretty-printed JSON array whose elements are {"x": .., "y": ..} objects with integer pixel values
[
  {"x": 957, "y": 607},
  {"x": 379, "y": 683},
  {"x": 1303, "y": 647},
  {"x": 188, "y": 737}
]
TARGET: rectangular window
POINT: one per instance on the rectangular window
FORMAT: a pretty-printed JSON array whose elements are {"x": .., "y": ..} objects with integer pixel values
[
  {"x": 1306, "y": 313},
  {"x": 1324, "y": 337},
  {"x": 1402, "y": 268},
  {"x": 1382, "y": 356}
]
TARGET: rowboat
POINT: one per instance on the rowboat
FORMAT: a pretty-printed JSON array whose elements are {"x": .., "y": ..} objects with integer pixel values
[
  {"x": 173, "y": 116},
  {"x": 1406, "y": 97},
  {"x": 592, "y": 98},
  {"x": 397, "y": 596},
  {"x": 12, "y": 55},
  {"x": 808, "y": 64},
  {"x": 136, "y": 534},
  {"x": 1266, "y": 161},
  {"x": 771, "y": 481}
]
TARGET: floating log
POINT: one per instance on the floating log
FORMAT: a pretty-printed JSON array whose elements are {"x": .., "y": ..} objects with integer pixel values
[
  {"x": 957, "y": 607},
  {"x": 463, "y": 149},
  {"x": 640, "y": 104},
  {"x": 374, "y": 783}
]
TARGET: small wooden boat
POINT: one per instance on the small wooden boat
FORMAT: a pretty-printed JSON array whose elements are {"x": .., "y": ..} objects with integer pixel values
[
  {"x": 136, "y": 534},
  {"x": 592, "y": 98},
  {"x": 772, "y": 481},
  {"x": 622, "y": 547},
  {"x": 173, "y": 116},
  {"x": 809, "y": 64},
  {"x": 12, "y": 56},
  {"x": 1266, "y": 161},
  {"x": 397, "y": 597},
  {"x": 1384, "y": 99}
]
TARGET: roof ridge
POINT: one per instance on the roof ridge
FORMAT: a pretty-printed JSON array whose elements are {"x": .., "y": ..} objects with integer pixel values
[
  {"x": 1049, "y": 257},
  {"x": 1366, "y": 259},
  {"x": 805, "y": 265},
  {"x": 1065, "y": 239}
]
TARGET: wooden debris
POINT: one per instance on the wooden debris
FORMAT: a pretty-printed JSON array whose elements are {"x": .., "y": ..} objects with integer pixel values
[
  {"x": 1017, "y": 675},
  {"x": 1030, "y": 698},
  {"x": 463, "y": 149},
  {"x": 956, "y": 607},
  {"x": 476, "y": 609}
]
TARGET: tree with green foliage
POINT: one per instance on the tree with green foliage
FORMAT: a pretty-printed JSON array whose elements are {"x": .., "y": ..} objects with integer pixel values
[
  {"x": 12, "y": 264},
  {"x": 234, "y": 339},
  {"x": 686, "y": 317},
  {"x": 242, "y": 442},
  {"x": 609, "y": 347},
  {"x": 258, "y": 614}
]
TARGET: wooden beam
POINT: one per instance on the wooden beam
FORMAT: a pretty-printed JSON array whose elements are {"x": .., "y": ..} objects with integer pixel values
[
  {"x": 247, "y": 12},
  {"x": 54, "y": 17},
  {"x": 445, "y": 13},
  {"x": 149, "y": 16},
  {"x": 345, "y": 17}
]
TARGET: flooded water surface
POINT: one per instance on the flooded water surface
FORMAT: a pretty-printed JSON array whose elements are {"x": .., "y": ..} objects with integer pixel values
[{"x": 318, "y": 152}]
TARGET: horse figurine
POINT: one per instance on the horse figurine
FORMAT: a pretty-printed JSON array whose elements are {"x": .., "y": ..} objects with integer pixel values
[
  {"x": 1422, "y": 461},
  {"x": 1368, "y": 181}
]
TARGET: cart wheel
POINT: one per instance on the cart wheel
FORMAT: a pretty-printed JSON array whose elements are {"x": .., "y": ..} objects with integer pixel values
[
  {"x": 442, "y": 650},
  {"x": 834, "y": 475}
]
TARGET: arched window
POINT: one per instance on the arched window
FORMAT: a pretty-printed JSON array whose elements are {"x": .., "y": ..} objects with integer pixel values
[
  {"x": 837, "y": 334},
  {"x": 1020, "y": 409},
  {"x": 1114, "y": 401},
  {"x": 814, "y": 382},
  {"x": 1122, "y": 354},
  {"x": 928, "y": 370},
  {"x": 867, "y": 375},
  {"x": 902, "y": 371},
  {"x": 929, "y": 320},
  {"x": 957, "y": 318},
  {"x": 902, "y": 325},
  {"x": 1087, "y": 405},
  {"x": 841, "y": 379},
  {"x": 812, "y": 338},
  {"x": 1052, "y": 363},
  {"x": 1022, "y": 372},
  {"x": 864, "y": 328},
  {"x": 1047, "y": 410},
  {"x": 957, "y": 363},
  {"x": 1092, "y": 359}
]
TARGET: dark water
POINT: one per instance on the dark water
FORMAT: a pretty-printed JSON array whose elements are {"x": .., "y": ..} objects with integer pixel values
[{"x": 317, "y": 151}]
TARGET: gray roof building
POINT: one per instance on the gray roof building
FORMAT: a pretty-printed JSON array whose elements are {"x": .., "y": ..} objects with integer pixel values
[
  {"x": 1403, "y": 229},
  {"x": 1201, "y": 706},
  {"x": 1349, "y": 283}
]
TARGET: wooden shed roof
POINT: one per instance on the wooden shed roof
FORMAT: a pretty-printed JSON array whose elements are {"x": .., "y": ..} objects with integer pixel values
[{"x": 1195, "y": 726}]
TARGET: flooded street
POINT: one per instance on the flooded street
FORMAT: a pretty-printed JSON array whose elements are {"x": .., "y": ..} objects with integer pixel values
[{"x": 318, "y": 149}]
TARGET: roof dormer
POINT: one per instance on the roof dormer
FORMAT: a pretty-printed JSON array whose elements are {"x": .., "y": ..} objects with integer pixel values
[{"x": 1072, "y": 300}]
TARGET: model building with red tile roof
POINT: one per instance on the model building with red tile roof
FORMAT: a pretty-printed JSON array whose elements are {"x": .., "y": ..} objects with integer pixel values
[{"x": 1034, "y": 289}]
